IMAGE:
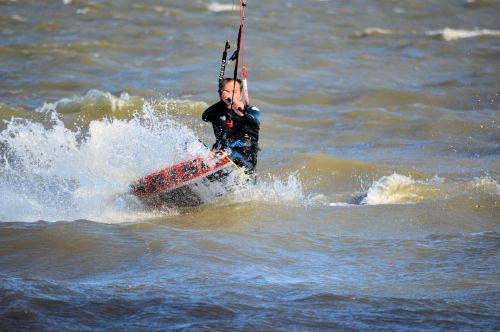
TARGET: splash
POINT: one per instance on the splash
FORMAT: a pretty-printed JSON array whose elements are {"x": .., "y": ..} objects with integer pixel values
[
  {"x": 49, "y": 172},
  {"x": 487, "y": 184},
  {"x": 398, "y": 189},
  {"x": 273, "y": 190}
]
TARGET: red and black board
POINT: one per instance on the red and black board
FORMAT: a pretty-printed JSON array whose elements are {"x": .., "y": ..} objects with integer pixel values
[{"x": 189, "y": 183}]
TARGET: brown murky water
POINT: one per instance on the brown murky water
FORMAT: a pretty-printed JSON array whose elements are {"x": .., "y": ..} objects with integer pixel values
[{"x": 378, "y": 198}]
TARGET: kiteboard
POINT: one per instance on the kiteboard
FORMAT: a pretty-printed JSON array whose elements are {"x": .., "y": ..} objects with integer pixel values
[{"x": 190, "y": 183}]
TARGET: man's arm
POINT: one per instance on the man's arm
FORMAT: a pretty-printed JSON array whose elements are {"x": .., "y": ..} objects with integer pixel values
[
  {"x": 252, "y": 116},
  {"x": 212, "y": 113}
]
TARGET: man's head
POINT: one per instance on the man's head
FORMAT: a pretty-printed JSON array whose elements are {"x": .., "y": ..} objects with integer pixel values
[{"x": 227, "y": 86}]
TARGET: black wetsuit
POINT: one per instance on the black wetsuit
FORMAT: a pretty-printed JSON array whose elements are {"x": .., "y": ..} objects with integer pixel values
[{"x": 242, "y": 138}]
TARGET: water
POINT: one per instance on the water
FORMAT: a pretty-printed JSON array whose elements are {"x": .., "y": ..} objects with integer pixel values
[{"x": 378, "y": 200}]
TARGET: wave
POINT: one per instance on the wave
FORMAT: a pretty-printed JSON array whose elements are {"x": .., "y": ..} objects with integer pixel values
[
  {"x": 456, "y": 34},
  {"x": 218, "y": 7},
  {"x": 479, "y": 3},
  {"x": 399, "y": 189},
  {"x": 402, "y": 189},
  {"x": 368, "y": 32},
  {"x": 446, "y": 34},
  {"x": 97, "y": 104},
  {"x": 104, "y": 102},
  {"x": 324, "y": 180},
  {"x": 18, "y": 18}
]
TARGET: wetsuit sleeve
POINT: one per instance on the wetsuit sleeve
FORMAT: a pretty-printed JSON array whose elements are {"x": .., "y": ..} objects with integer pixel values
[
  {"x": 252, "y": 116},
  {"x": 208, "y": 114},
  {"x": 212, "y": 113}
]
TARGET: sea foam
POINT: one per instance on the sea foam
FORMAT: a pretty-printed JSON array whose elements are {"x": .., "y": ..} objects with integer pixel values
[
  {"x": 455, "y": 34},
  {"x": 218, "y": 7}
]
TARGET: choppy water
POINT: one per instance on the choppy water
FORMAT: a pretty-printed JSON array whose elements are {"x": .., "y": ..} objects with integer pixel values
[{"x": 378, "y": 201}]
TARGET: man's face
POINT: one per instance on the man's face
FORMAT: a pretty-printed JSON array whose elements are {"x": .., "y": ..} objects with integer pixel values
[{"x": 227, "y": 91}]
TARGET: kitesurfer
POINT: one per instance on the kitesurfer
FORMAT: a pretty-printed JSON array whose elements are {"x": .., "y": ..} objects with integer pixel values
[{"x": 236, "y": 125}]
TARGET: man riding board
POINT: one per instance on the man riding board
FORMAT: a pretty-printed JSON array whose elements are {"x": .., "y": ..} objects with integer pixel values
[{"x": 236, "y": 126}]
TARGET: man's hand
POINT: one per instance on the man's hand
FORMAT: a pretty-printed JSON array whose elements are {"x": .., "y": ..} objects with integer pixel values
[
  {"x": 237, "y": 106},
  {"x": 238, "y": 111}
]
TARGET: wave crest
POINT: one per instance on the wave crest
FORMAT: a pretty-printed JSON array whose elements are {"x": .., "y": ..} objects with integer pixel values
[
  {"x": 397, "y": 189},
  {"x": 456, "y": 34}
]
